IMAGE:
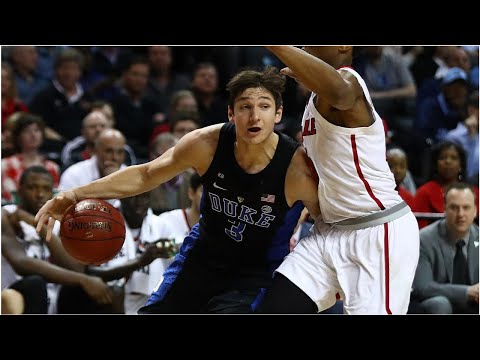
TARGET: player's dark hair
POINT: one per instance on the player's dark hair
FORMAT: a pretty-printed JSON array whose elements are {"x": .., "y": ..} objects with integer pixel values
[
  {"x": 35, "y": 169},
  {"x": 269, "y": 79}
]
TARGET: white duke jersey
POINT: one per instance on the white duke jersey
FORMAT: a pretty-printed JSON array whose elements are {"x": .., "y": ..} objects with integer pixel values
[{"x": 354, "y": 177}]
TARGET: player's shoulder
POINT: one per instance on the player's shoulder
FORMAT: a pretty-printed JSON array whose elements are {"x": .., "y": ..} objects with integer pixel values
[{"x": 206, "y": 136}]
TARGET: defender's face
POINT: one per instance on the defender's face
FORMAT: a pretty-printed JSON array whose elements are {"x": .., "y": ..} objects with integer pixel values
[{"x": 254, "y": 115}]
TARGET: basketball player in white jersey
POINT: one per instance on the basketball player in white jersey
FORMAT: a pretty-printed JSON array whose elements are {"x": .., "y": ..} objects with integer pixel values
[{"x": 365, "y": 245}]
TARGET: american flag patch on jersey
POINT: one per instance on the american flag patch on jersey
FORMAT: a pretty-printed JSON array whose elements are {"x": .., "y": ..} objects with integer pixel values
[{"x": 268, "y": 198}]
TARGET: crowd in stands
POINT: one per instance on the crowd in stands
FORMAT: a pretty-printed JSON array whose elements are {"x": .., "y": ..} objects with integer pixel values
[{"x": 81, "y": 113}]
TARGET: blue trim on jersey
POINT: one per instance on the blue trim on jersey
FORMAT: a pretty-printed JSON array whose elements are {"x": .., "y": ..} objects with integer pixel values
[
  {"x": 175, "y": 267},
  {"x": 281, "y": 240}
]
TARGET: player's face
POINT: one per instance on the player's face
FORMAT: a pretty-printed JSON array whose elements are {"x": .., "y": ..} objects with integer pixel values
[
  {"x": 254, "y": 115},
  {"x": 35, "y": 192},
  {"x": 460, "y": 210}
]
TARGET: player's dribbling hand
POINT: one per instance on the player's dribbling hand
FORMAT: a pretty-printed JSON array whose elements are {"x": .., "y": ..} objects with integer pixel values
[{"x": 54, "y": 210}]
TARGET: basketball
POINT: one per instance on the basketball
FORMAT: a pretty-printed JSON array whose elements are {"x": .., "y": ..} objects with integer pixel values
[{"x": 92, "y": 231}]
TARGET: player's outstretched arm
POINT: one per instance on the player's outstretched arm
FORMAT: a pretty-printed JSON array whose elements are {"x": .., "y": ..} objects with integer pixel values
[
  {"x": 317, "y": 76},
  {"x": 193, "y": 150}
]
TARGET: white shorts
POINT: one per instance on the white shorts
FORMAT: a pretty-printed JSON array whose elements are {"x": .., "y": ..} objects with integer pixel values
[{"x": 372, "y": 269}]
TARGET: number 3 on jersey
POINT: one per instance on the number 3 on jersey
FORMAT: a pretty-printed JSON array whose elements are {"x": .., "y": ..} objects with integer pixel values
[{"x": 236, "y": 231}]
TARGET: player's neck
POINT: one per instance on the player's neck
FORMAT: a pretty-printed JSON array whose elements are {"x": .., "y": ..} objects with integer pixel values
[{"x": 254, "y": 158}]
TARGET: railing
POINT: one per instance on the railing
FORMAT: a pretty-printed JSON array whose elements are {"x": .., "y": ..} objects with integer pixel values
[{"x": 428, "y": 215}]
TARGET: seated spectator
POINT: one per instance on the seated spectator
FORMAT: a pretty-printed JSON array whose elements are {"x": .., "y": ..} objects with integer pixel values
[
  {"x": 136, "y": 113},
  {"x": 108, "y": 158},
  {"x": 448, "y": 167},
  {"x": 179, "y": 222},
  {"x": 27, "y": 253},
  {"x": 164, "y": 81},
  {"x": 397, "y": 160},
  {"x": 63, "y": 103},
  {"x": 211, "y": 105},
  {"x": 446, "y": 279},
  {"x": 174, "y": 193},
  {"x": 141, "y": 261},
  {"x": 27, "y": 136},
  {"x": 25, "y": 296},
  {"x": 439, "y": 113},
  {"x": 28, "y": 79},
  {"x": 83, "y": 147},
  {"x": 8, "y": 147},
  {"x": 10, "y": 102},
  {"x": 183, "y": 122},
  {"x": 391, "y": 86},
  {"x": 466, "y": 135},
  {"x": 182, "y": 100},
  {"x": 107, "y": 110}
]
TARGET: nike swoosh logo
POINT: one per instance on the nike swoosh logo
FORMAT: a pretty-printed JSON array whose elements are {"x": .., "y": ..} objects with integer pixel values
[{"x": 218, "y": 187}]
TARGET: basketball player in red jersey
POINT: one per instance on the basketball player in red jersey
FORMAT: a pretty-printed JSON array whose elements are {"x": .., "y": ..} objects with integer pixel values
[{"x": 366, "y": 245}]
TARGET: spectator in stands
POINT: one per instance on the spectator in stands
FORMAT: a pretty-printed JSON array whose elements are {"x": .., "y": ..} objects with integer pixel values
[
  {"x": 63, "y": 104},
  {"x": 83, "y": 147},
  {"x": 448, "y": 167},
  {"x": 211, "y": 105},
  {"x": 10, "y": 102},
  {"x": 446, "y": 279},
  {"x": 466, "y": 135},
  {"x": 107, "y": 110},
  {"x": 143, "y": 230},
  {"x": 391, "y": 86},
  {"x": 27, "y": 137},
  {"x": 182, "y": 100},
  {"x": 398, "y": 162},
  {"x": 107, "y": 65},
  {"x": 136, "y": 113},
  {"x": 164, "y": 81},
  {"x": 174, "y": 193},
  {"x": 439, "y": 113},
  {"x": 27, "y": 253},
  {"x": 183, "y": 122},
  {"x": 179, "y": 222},
  {"x": 28, "y": 80},
  {"x": 109, "y": 157}
]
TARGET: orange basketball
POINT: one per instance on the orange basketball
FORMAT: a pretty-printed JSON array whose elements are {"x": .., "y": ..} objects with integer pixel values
[{"x": 92, "y": 231}]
